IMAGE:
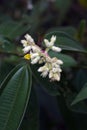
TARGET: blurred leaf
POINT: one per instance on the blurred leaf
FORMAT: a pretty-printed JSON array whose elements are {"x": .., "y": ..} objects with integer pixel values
[
  {"x": 6, "y": 45},
  {"x": 69, "y": 30},
  {"x": 14, "y": 98},
  {"x": 68, "y": 61},
  {"x": 80, "y": 79},
  {"x": 81, "y": 30},
  {"x": 31, "y": 118},
  {"x": 13, "y": 59},
  {"x": 12, "y": 29},
  {"x": 8, "y": 77},
  {"x": 81, "y": 96},
  {"x": 63, "y": 8},
  {"x": 50, "y": 87},
  {"x": 66, "y": 42},
  {"x": 5, "y": 68},
  {"x": 4, "y": 17}
]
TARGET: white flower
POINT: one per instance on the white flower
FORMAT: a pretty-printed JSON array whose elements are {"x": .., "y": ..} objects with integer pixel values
[
  {"x": 26, "y": 49},
  {"x": 50, "y": 74},
  {"x": 53, "y": 39},
  {"x": 59, "y": 62},
  {"x": 56, "y": 77},
  {"x": 44, "y": 74},
  {"x": 33, "y": 55},
  {"x": 27, "y": 44},
  {"x": 55, "y": 70},
  {"x": 52, "y": 66},
  {"x": 24, "y": 43},
  {"x": 35, "y": 48},
  {"x": 56, "y": 49},
  {"x": 29, "y": 38},
  {"x": 47, "y": 43},
  {"x": 44, "y": 69},
  {"x": 51, "y": 42},
  {"x": 35, "y": 60}
]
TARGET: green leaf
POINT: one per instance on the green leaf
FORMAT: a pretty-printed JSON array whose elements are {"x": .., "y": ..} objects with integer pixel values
[
  {"x": 50, "y": 87},
  {"x": 81, "y": 96},
  {"x": 5, "y": 68},
  {"x": 68, "y": 30},
  {"x": 31, "y": 118},
  {"x": 81, "y": 30},
  {"x": 66, "y": 42},
  {"x": 14, "y": 98},
  {"x": 80, "y": 78},
  {"x": 68, "y": 61},
  {"x": 12, "y": 29},
  {"x": 6, "y": 45}
]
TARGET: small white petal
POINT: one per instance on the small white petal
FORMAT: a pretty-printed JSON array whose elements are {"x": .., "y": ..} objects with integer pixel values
[
  {"x": 59, "y": 69},
  {"x": 35, "y": 60},
  {"x": 57, "y": 77},
  {"x": 44, "y": 73},
  {"x": 55, "y": 65},
  {"x": 41, "y": 69},
  {"x": 36, "y": 49},
  {"x": 24, "y": 42},
  {"x": 50, "y": 74},
  {"x": 34, "y": 55},
  {"x": 29, "y": 38},
  {"x": 47, "y": 43},
  {"x": 59, "y": 62},
  {"x": 55, "y": 70},
  {"x": 56, "y": 49},
  {"x": 53, "y": 38},
  {"x": 26, "y": 49}
]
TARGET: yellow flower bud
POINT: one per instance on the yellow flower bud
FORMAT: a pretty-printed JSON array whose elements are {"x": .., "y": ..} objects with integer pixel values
[{"x": 27, "y": 56}]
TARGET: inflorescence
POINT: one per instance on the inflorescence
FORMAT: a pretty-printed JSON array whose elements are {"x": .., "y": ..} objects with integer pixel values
[{"x": 34, "y": 53}]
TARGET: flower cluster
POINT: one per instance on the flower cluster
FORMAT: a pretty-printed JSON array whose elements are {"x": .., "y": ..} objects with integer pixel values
[{"x": 51, "y": 66}]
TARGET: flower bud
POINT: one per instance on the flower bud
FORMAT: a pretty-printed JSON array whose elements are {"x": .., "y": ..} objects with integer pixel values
[
  {"x": 35, "y": 60},
  {"x": 26, "y": 49},
  {"x": 29, "y": 38},
  {"x": 56, "y": 49}
]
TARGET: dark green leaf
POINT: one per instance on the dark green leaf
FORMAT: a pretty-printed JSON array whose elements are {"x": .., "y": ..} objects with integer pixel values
[
  {"x": 5, "y": 68},
  {"x": 80, "y": 79},
  {"x": 14, "y": 98},
  {"x": 81, "y": 96},
  {"x": 69, "y": 30},
  {"x": 31, "y": 118},
  {"x": 81, "y": 30},
  {"x": 6, "y": 45},
  {"x": 66, "y": 42},
  {"x": 68, "y": 61},
  {"x": 12, "y": 29}
]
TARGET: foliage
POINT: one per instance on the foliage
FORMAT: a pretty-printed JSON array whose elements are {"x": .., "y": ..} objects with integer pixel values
[{"x": 19, "y": 108}]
